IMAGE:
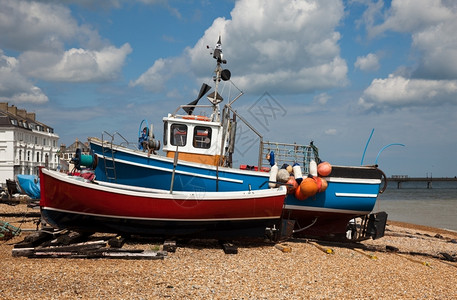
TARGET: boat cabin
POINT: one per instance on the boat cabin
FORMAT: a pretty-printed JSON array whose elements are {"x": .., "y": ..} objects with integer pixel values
[{"x": 196, "y": 138}]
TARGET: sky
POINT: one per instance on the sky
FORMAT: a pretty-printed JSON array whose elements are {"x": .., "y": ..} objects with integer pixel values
[{"x": 367, "y": 81}]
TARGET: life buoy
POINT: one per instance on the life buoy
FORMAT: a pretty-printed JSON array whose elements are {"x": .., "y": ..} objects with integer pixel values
[{"x": 198, "y": 118}]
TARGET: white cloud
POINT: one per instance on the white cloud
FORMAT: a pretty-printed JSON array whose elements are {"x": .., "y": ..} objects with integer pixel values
[
  {"x": 41, "y": 32},
  {"x": 398, "y": 91},
  {"x": 75, "y": 65},
  {"x": 369, "y": 62},
  {"x": 322, "y": 98},
  {"x": 27, "y": 25},
  {"x": 155, "y": 78},
  {"x": 412, "y": 16},
  {"x": 432, "y": 25},
  {"x": 14, "y": 87},
  {"x": 331, "y": 131},
  {"x": 438, "y": 46},
  {"x": 276, "y": 46}
]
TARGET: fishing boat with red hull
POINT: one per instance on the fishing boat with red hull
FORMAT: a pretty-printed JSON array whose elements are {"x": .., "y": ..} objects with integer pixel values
[{"x": 73, "y": 202}]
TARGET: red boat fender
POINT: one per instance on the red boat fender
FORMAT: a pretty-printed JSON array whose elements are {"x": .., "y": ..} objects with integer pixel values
[
  {"x": 324, "y": 185},
  {"x": 291, "y": 185},
  {"x": 318, "y": 181},
  {"x": 324, "y": 169}
]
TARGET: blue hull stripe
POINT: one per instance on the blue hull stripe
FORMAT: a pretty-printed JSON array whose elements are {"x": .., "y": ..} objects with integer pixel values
[{"x": 171, "y": 170}]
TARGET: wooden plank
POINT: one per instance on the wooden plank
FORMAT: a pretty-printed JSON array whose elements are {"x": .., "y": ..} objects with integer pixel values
[
  {"x": 146, "y": 254},
  {"x": 84, "y": 246},
  {"x": 73, "y": 248}
]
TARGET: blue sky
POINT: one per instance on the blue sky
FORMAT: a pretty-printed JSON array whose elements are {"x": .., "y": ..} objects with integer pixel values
[{"x": 335, "y": 70}]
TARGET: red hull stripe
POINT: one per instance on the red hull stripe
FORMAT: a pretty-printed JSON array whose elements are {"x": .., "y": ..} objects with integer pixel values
[{"x": 68, "y": 194}]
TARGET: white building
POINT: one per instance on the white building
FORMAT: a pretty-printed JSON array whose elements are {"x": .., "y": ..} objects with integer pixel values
[{"x": 25, "y": 144}]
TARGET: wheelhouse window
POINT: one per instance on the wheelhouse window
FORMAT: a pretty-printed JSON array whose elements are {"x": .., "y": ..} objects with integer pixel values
[
  {"x": 178, "y": 135},
  {"x": 202, "y": 137},
  {"x": 165, "y": 133}
]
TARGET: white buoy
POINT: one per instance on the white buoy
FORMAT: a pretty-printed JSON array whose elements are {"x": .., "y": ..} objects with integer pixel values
[
  {"x": 273, "y": 174},
  {"x": 297, "y": 171},
  {"x": 313, "y": 167},
  {"x": 283, "y": 176}
]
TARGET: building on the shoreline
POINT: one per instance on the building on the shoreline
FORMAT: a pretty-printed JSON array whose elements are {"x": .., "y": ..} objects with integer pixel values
[
  {"x": 67, "y": 153},
  {"x": 25, "y": 143}
]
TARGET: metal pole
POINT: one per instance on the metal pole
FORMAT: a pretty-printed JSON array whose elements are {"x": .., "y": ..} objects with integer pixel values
[{"x": 175, "y": 163}]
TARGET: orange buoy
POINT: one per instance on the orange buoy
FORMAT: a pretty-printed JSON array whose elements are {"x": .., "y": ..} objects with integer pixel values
[
  {"x": 298, "y": 194},
  {"x": 324, "y": 169},
  {"x": 291, "y": 185},
  {"x": 308, "y": 187},
  {"x": 324, "y": 185},
  {"x": 318, "y": 181}
]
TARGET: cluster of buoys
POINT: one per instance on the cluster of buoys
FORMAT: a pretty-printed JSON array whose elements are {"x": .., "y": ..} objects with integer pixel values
[{"x": 300, "y": 186}]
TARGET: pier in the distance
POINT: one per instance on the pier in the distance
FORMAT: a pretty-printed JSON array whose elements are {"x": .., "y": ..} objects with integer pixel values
[{"x": 428, "y": 181}]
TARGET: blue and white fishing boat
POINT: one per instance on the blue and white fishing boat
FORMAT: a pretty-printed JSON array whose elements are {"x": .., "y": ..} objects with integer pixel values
[{"x": 198, "y": 157}]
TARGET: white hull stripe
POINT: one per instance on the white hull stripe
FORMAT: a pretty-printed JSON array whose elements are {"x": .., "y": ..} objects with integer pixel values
[
  {"x": 170, "y": 170},
  {"x": 159, "y": 219},
  {"x": 353, "y": 180},
  {"x": 356, "y": 195},
  {"x": 328, "y": 210}
]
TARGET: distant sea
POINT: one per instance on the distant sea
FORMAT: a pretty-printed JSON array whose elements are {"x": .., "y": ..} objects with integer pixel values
[{"x": 413, "y": 203}]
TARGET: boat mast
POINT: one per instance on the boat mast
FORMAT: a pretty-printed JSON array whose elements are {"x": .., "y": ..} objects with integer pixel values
[{"x": 214, "y": 97}]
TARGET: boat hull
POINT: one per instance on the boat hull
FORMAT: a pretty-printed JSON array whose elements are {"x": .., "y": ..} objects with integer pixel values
[
  {"x": 352, "y": 192},
  {"x": 75, "y": 204}
]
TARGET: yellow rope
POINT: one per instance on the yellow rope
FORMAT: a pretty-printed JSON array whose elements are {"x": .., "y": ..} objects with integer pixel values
[
  {"x": 415, "y": 260},
  {"x": 325, "y": 250}
]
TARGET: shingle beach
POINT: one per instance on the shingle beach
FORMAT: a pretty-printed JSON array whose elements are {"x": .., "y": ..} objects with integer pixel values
[{"x": 201, "y": 270}]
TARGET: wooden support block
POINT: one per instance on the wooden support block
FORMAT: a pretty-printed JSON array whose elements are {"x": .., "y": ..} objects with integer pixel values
[
  {"x": 34, "y": 239},
  {"x": 116, "y": 242},
  {"x": 169, "y": 246},
  {"x": 392, "y": 248},
  {"x": 448, "y": 257},
  {"x": 69, "y": 238},
  {"x": 229, "y": 248}
]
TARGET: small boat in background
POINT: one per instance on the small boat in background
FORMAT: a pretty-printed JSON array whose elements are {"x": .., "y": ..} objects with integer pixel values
[
  {"x": 73, "y": 202},
  {"x": 29, "y": 184}
]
